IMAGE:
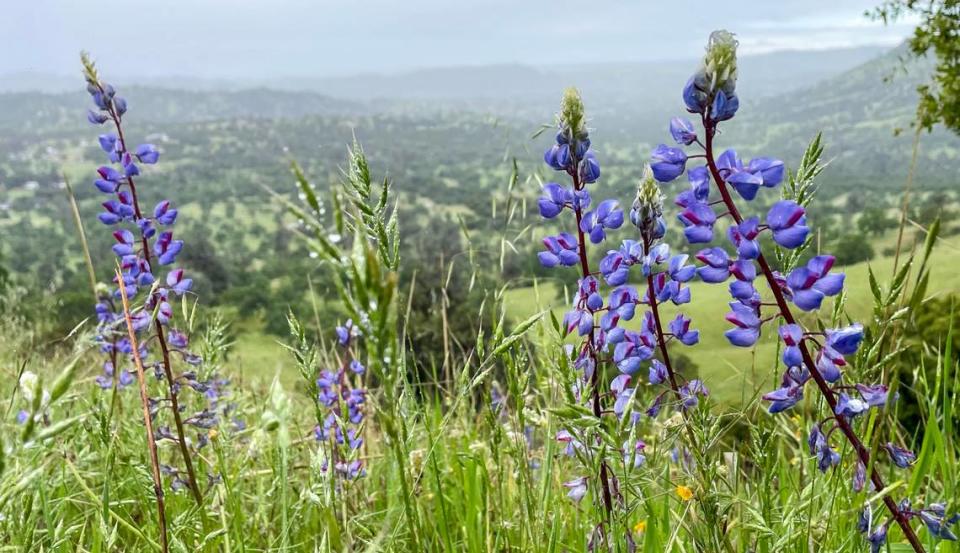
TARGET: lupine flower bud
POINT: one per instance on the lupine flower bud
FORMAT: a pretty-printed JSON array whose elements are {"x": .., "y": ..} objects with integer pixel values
[
  {"x": 647, "y": 211},
  {"x": 901, "y": 457},
  {"x": 720, "y": 62},
  {"x": 572, "y": 119},
  {"x": 877, "y": 538},
  {"x": 682, "y": 131}
]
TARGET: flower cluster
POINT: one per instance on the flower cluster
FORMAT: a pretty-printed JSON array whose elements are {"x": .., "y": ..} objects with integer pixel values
[
  {"x": 711, "y": 93},
  {"x": 146, "y": 252},
  {"x": 934, "y": 518},
  {"x": 342, "y": 401},
  {"x": 599, "y": 316}
]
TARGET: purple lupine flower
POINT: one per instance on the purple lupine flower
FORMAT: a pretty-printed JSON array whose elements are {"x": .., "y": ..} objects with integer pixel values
[
  {"x": 589, "y": 168},
  {"x": 744, "y": 238},
  {"x": 166, "y": 248},
  {"x": 699, "y": 191},
  {"x": 934, "y": 517},
  {"x": 718, "y": 265},
  {"x": 845, "y": 341},
  {"x": 743, "y": 270},
  {"x": 147, "y": 153},
  {"x": 664, "y": 289},
  {"x": 690, "y": 391},
  {"x": 655, "y": 406},
  {"x": 346, "y": 332},
  {"x": 792, "y": 335},
  {"x": 679, "y": 271},
  {"x": 115, "y": 211},
  {"x": 829, "y": 362},
  {"x": 558, "y": 157},
  {"x": 608, "y": 215},
  {"x": 724, "y": 107},
  {"x": 667, "y": 163},
  {"x": 635, "y": 452},
  {"x": 615, "y": 266},
  {"x": 901, "y": 457},
  {"x": 850, "y": 407},
  {"x": 682, "y": 131},
  {"x": 624, "y": 396},
  {"x": 579, "y": 319},
  {"x": 178, "y": 283},
  {"x": 658, "y": 372},
  {"x": 698, "y": 220},
  {"x": 357, "y": 367},
  {"x": 109, "y": 179},
  {"x": 878, "y": 538},
  {"x": 747, "y": 180},
  {"x": 351, "y": 471},
  {"x": 621, "y": 306},
  {"x": 859, "y": 476},
  {"x": 680, "y": 327},
  {"x": 97, "y": 118},
  {"x": 589, "y": 293},
  {"x": 577, "y": 487},
  {"x": 164, "y": 214},
  {"x": 875, "y": 396},
  {"x": 562, "y": 249},
  {"x": 747, "y": 322},
  {"x": 826, "y": 456},
  {"x": 788, "y": 222},
  {"x": 784, "y": 397},
  {"x": 658, "y": 254},
  {"x": 572, "y": 444},
  {"x": 808, "y": 285},
  {"x": 635, "y": 348},
  {"x": 555, "y": 198},
  {"x": 695, "y": 95}
]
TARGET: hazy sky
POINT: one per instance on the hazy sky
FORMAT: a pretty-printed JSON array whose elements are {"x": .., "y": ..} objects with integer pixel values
[{"x": 266, "y": 38}]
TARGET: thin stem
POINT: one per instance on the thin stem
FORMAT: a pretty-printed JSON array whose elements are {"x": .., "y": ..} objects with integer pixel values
[
  {"x": 842, "y": 422},
  {"x": 144, "y": 400},
  {"x": 91, "y": 274},
  {"x": 595, "y": 377},
  {"x": 175, "y": 407}
]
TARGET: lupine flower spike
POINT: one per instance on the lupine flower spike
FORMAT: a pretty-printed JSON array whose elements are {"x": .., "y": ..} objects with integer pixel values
[
  {"x": 607, "y": 340},
  {"x": 711, "y": 94},
  {"x": 341, "y": 402},
  {"x": 145, "y": 246}
]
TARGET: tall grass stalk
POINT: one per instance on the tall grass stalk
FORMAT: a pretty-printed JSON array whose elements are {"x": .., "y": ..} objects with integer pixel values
[{"x": 147, "y": 421}]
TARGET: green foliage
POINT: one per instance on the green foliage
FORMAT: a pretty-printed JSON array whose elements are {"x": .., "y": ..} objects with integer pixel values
[
  {"x": 935, "y": 35},
  {"x": 852, "y": 248},
  {"x": 874, "y": 221}
]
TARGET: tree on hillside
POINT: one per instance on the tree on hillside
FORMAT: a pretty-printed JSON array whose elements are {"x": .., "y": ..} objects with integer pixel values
[
  {"x": 937, "y": 33},
  {"x": 874, "y": 220},
  {"x": 852, "y": 248}
]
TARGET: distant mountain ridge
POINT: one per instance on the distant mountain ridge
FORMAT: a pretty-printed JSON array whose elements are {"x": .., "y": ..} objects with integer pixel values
[{"x": 649, "y": 87}]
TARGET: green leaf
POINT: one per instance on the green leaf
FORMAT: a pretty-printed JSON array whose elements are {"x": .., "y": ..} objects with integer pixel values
[
  {"x": 304, "y": 184},
  {"x": 875, "y": 287}
]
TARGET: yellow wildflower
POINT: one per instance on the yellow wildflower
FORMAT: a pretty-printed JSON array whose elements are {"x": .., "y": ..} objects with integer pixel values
[
  {"x": 684, "y": 493},
  {"x": 640, "y": 526}
]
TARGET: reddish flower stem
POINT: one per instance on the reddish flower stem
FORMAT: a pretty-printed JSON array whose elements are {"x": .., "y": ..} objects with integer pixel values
[
  {"x": 164, "y": 349},
  {"x": 661, "y": 337},
  {"x": 591, "y": 347},
  {"x": 145, "y": 401},
  {"x": 862, "y": 453}
]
